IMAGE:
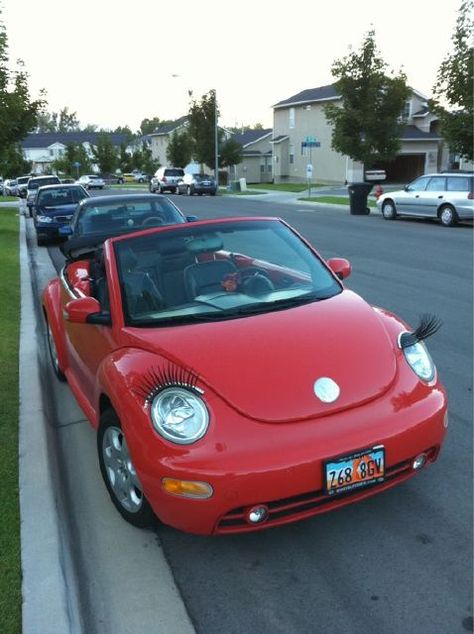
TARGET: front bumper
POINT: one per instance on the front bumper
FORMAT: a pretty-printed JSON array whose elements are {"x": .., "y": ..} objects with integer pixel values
[{"x": 282, "y": 465}]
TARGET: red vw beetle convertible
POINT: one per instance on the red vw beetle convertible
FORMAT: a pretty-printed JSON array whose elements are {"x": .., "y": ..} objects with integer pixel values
[{"x": 234, "y": 382}]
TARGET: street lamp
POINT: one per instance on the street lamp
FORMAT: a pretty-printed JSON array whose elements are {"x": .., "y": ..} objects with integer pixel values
[{"x": 216, "y": 132}]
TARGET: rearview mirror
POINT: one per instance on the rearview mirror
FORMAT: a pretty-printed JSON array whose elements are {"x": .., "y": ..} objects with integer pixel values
[
  {"x": 86, "y": 310},
  {"x": 192, "y": 218},
  {"x": 340, "y": 266}
]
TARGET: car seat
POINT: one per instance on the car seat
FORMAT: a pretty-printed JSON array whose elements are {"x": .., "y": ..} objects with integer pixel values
[{"x": 206, "y": 277}]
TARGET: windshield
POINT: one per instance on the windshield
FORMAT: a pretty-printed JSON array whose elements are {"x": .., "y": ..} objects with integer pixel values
[
  {"x": 22, "y": 180},
  {"x": 174, "y": 172},
  {"x": 113, "y": 218},
  {"x": 34, "y": 183},
  {"x": 229, "y": 270},
  {"x": 61, "y": 196}
]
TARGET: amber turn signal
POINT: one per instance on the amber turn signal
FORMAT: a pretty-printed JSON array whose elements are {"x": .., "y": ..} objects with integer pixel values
[{"x": 186, "y": 488}]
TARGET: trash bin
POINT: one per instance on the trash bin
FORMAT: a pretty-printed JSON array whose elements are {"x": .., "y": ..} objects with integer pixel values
[
  {"x": 234, "y": 186},
  {"x": 358, "y": 193}
]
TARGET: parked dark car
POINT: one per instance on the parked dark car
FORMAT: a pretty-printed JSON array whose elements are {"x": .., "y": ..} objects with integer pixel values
[
  {"x": 54, "y": 208},
  {"x": 34, "y": 183},
  {"x": 105, "y": 216},
  {"x": 197, "y": 184}
]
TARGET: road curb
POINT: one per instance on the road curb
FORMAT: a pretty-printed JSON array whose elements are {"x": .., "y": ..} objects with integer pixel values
[{"x": 47, "y": 602}]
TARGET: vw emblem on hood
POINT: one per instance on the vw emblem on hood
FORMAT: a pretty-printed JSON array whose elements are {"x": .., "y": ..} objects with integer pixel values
[{"x": 326, "y": 390}]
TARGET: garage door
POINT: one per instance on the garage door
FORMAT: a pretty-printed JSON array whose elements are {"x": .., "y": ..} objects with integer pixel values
[{"x": 404, "y": 168}]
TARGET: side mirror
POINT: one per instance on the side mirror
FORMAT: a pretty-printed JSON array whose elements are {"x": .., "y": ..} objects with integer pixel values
[
  {"x": 86, "y": 310},
  {"x": 65, "y": 230},
  {"x": 192, "y": 218},
  {"x": 340, "y": 266}
]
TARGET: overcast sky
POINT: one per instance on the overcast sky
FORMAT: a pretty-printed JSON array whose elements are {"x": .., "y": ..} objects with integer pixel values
[{"x": 112, "y": 61}]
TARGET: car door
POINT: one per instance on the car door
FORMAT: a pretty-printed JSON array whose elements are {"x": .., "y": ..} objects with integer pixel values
[
  {"x": 87, "y": 344},
  {"x": 432, "y": 196},
  {"x": 409, "y": 202}
]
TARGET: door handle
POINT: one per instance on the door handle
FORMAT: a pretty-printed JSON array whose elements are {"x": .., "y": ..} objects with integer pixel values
[
  {"x": 417, "y": 196},
  {"x": 440, "y": 196}
]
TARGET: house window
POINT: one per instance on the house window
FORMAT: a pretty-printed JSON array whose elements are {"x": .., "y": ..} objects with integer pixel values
[
  {"x": 292, "y": 154},
  {"x": 291, "y": 118},
  {"x": 262, "y": 169},
  {"x": 269, "y": 168},
  {"x": 51, "y": 152},
  {"x": 406, "y": 110}
]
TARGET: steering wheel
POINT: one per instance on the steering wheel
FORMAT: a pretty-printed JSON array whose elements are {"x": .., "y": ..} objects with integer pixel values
[
  {"x": 256, "y": 281},
  {"x": 152, "y": 221}
]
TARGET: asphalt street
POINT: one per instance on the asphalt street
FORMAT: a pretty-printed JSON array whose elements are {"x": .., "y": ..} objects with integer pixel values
[{"x": 400, "y": 562}]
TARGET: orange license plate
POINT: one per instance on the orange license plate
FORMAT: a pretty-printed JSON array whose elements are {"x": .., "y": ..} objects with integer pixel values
[{"x": 355, "y": 471}]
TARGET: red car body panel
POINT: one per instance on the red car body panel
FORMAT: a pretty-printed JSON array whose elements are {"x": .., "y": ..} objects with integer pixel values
[{"x": 268, "y": 437}]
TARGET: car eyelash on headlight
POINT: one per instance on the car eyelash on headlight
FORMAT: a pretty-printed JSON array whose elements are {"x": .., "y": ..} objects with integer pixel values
[
  {"x": 157, "y": 379},
  {"x": 429, "y": 325}
]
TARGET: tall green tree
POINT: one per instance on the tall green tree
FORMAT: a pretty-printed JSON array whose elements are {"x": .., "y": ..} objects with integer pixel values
[
  {"x": 150, "y": 125},
  {"x": 201, "y": 126},
  {"x": 105, "y": 154},
  {"x": 68, "y": 121},
  {"x": 366, "y": 122},
  {"x": 180, "y": 149},
  {"x": 18, "y": 111},
  {"x": 453, "y": 90},
  {"x": 125, "y": 159}
]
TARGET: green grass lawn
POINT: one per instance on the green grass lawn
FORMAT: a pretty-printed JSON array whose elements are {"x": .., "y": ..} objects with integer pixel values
[
  {"x": 10, "y": 579},
  {"x": 223, "y": 192},
  {"x": 283, "y": 187},
  {"x": 334, "y": 200},
  {"x": 8, "y": 199},
  {"x": 127, "y": 185}
]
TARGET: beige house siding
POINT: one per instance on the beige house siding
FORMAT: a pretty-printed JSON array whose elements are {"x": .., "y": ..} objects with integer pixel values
[
  {"x": 309, "y": 120},
  {"x": 255, "y": 168},
  {"x": 298, "y": 121}
]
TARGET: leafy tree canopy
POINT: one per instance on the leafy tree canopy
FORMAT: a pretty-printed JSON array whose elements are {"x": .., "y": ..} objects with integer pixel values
[
  {"x": 454, "y": 86},
  {"x": 180, "y": 148},
  {"x": 230, "y": 153},
  {"x": 62, "y": 121},
  {"x": 66, "y": 164},
  {"x": 367, "y": 123},
  {"x": 201, "y": 127},
  {"x": 105, "y": 154}
]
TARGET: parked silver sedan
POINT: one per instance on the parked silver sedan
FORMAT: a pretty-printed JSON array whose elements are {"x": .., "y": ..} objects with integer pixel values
[{"x": 448, "y": 197}]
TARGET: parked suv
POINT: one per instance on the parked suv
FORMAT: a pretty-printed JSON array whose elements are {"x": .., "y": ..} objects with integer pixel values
[
  {"x": 32, "y": 188},
  {"x": 166, "y": 179},
  {"x": 446, "y": 196},
  {"x": 197, "y": 184}
]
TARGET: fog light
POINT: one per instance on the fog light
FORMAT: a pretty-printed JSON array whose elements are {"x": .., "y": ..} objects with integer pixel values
[
  {"x": 257, "y": 514},
  {"x": 187, "y": 489},
  {"x": 419, "y": 461}
]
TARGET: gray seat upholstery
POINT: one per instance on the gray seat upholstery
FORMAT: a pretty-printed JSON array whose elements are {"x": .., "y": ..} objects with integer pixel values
[
  {"x": 206, "y": 277},
  {"x": 141, "y": 292}
]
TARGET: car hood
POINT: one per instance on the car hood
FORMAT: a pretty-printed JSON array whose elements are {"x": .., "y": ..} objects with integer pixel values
[{"x": 265, "y": 366}]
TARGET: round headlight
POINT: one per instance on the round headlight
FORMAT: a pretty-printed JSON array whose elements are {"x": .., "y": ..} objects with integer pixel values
[
  {"x": 419, "y": 360},
  {"x": 179, "y": 415},
  {"x": 44, "y": 219}
]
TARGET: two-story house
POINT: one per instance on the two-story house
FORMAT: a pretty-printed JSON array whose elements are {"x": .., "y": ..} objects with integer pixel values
[{"x": 302, "y": 135}]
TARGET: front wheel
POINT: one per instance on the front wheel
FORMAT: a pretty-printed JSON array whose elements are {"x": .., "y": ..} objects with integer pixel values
[
  {"x": 389, "y": 211},
  {"x": 447, "y": 216},
  {"x": 119, "y": 473}
]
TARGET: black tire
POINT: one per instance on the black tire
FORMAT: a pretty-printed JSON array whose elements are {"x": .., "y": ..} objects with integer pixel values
[
  {"x": 53, "y": 355},
  {"x": 213, "y": 193},
  {"x": 447, "y": 216},
  {"x": 389, "y": 210},
  {"x": 110, "y": 428},
  {"x": 41, "y": 241}
]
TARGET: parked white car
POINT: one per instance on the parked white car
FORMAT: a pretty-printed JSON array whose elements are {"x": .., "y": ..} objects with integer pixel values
[
  {"x": 10, "y": 187},
  {"x": 446, "y": 196},
  {"x": 91, "y": 181}
]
